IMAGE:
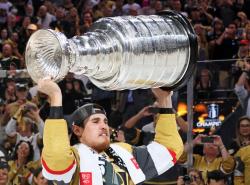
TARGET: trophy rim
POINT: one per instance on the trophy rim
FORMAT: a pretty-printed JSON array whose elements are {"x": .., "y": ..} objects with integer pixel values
[
  {"x": 63, "y": 68},
  {"x": 193, "y": 45}
]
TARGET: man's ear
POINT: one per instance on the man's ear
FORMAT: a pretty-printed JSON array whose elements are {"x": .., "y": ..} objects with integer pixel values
[{"x": 77, "y": 130}]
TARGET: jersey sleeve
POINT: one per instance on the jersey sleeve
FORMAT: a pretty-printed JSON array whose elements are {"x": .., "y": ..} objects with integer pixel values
[{"x": 58, "y": 160}]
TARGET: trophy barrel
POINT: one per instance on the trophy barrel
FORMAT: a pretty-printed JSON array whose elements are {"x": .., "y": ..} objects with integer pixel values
[{"x": 119, "y": 52}]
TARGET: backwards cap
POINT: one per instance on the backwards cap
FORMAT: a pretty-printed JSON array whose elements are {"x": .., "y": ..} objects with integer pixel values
[
  {"x": 3, "y": 162},
  {"x": 82, "y": 113}
]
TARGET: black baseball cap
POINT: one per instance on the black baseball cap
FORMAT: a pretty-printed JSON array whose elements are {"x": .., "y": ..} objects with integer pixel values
[
  {"x": 83, "y": 112},
  {"x": 3, "y": 163}
]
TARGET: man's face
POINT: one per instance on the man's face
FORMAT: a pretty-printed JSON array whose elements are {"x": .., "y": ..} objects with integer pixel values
[
  {"x": 176, "y": 5},
  {"x": 40, "y": 180},
  {"x": 7, "y": 50},
  {"x": 4, "y": 33},
  {"x": 29, "y": 9},
  {"x": 60, "y": 13},
  {"x": 232, "y": 29},
  {"x": 87, "y": 18},
  {"x": 3, "y": 176},
  {"x": 214, "y": 182},
  {"x": 95, "y": 133},
  {"x": 42, "y": 11}
]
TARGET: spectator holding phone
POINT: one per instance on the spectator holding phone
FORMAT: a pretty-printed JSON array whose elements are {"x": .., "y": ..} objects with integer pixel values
[
  {"x": 194, "y": 177},
  {"x": 239, "y": 65},
  {"x": 229, "y": 42},
  {"x": 215, "y": 155},
  {"x": 22, "y": 127},
  {"x": 21, "y": 164},
  {"x": 145, "y": 135},
  {"x": 21, "y": 94}
]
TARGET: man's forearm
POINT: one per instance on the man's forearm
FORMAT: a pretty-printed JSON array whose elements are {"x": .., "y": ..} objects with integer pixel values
[
  {"x": 167, "y": 134},
  {"x": 57, "y": 154},
  {"x": 56, "y": 100}
]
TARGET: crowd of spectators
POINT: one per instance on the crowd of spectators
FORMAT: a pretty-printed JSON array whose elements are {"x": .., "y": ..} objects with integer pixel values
[{"x": 223, "y": 33}]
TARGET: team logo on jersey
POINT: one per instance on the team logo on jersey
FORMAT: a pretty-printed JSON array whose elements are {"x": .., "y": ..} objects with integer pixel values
[{"x": 85, "y": 178}]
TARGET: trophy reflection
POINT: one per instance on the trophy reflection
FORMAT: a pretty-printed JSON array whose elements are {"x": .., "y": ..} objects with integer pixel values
[{"x": 119, "y": 52}]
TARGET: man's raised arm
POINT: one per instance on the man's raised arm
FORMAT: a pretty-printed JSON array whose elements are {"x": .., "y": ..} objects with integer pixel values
[
  {"x": 166, "y": 127},
  {"x": 58, "y": 160}
]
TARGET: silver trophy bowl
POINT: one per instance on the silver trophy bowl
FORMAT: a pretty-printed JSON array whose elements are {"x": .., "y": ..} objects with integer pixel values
[{"x": 119, "y": 52}]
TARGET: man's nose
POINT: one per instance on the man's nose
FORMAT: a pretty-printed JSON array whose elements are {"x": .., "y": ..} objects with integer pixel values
[{"x": 103, "y": 125}]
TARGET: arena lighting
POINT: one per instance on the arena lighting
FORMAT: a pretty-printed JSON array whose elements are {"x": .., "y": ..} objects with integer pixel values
[
  {"x": 201, "y": 107},
  {"x": 181, "y": 109},
  {"x": 221, "y": 117}
]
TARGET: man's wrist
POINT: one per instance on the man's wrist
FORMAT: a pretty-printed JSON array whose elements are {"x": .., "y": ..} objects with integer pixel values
[
  {"x": 56, "y": 112},
  {"x": 56, "y": 100}
]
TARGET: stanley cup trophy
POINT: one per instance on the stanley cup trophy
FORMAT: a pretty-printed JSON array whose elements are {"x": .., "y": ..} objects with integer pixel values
[{"x": 119, "y": 52}]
